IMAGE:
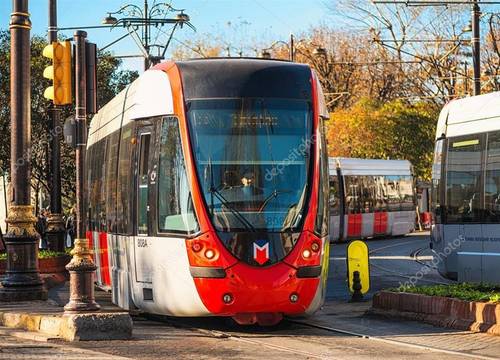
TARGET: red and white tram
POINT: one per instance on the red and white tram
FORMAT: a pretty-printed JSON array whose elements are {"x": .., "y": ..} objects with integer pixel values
[
  {"x": 208, "y": 191},
  {"x": 370, "y": 197}
]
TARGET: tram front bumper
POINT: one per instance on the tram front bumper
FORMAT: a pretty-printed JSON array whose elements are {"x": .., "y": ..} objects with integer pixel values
[{"x": 277, "y": 289}]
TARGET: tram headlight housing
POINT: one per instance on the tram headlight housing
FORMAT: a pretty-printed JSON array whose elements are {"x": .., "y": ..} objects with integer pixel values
[
  {"x": 197, "y": 247},
  {"x": 315, "y": 246}
]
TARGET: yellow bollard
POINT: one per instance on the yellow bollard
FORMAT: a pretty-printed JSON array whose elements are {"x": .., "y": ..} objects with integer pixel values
[{"x": 358, "y": 269}]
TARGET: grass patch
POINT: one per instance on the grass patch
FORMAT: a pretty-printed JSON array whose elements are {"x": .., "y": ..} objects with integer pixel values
[
  {"x": 468, "y": 292},
  {"x": 42, "y": 254}
]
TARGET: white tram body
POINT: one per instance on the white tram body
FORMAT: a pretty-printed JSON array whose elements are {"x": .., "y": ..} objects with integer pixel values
[
  {"x": 370, "y": 197},
  {"x": 466, "y": 190}
]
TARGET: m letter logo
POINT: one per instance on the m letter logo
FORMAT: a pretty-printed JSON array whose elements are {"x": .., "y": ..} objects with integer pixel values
[{"x": 261, "y": 252}]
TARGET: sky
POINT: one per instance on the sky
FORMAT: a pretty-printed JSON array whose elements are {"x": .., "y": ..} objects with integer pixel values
[{"x": 236, "y": 21}]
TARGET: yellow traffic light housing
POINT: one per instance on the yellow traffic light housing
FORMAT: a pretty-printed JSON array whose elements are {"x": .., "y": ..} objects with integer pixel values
[{"x": 59, "y": 72}]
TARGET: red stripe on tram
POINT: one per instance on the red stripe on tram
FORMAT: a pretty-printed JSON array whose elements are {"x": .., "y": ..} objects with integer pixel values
[
  {"x": 103, "y": 253},
  {"x": 354, "y": 222},
  {"x": 380, "y": 223}
]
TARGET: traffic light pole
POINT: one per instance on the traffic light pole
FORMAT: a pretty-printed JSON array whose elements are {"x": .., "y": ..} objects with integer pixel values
[
  {"x": 476, "y": 55},
  {"x": 22, "y": 280},
  {"x": 55, "y": 222},
  {"x": 81, "y": 267}
]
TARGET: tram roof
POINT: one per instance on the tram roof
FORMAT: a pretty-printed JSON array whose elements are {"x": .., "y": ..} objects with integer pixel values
[
  {"x": 244, "y": 78},
  {"x": 470, "y": 115},
  {"x": 356, "y": 166}
]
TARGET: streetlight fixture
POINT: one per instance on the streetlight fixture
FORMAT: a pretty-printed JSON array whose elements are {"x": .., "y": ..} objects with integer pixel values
[
  {"x": 135, "y": 17},
  {"x": 109, "y": 20},
  {"x": 132, "y": 17}
]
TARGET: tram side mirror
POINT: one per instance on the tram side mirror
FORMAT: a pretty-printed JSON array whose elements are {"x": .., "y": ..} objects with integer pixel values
[{"x": 70, "y": 132}]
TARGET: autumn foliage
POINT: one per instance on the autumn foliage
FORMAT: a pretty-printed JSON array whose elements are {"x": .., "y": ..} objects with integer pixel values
[{"x": 385, "y": 130}]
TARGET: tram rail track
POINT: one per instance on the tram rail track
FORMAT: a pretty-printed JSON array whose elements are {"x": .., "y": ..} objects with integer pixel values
[{"x": 254, "y": 338}]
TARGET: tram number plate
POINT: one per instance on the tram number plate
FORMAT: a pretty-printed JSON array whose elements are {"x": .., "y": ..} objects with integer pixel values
[{"x": 142, "y": 243}]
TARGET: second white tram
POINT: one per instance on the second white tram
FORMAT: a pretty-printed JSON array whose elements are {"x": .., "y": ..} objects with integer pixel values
[
  {"x": 466, "y": 190},
  {"x": 370, "y": 197}
]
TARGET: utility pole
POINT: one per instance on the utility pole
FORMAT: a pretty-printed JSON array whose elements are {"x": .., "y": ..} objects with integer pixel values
[
  {"x": 81, "y": 267},
  {"x": 22, "y": 280},
  {"x": 476, "y": 56},
  {"x": 147, "y": 62},
  {"x": 55, "y": 222},
  {"x": 292, "y": 50}
]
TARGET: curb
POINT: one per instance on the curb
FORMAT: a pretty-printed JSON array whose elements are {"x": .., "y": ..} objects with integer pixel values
[
  {"x": 439, "y": 311},
  {"x": 72, "y": 327}
]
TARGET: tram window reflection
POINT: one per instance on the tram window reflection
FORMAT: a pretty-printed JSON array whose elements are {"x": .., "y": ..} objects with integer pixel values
[
  {"x": 492, "y": 179},
  {"x": 334, "y": 195},
  {"x": 175, "y": 207},
  {"x": 392, "y": 188},
  {"x": 463, "y": 179},
  {"x": 252, "y": 157}
]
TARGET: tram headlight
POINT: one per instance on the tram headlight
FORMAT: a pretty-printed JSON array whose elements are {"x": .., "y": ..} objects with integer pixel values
[
  {"x": 209, "y": 254},
  {"x": 306, "y": 254},
  {"x": 315, "y": 247}
]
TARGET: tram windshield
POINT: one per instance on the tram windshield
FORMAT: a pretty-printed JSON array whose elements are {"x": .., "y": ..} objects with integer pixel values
[{"x": 252, "y": 158}]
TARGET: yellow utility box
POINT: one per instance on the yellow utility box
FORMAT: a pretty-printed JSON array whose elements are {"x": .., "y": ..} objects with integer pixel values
[{"x": 357, "y": 260}]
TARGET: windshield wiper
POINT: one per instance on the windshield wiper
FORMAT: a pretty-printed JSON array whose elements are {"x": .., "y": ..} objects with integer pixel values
[
  {"x": 235, "y": 212},
  {"x": 272, "y": 196}
]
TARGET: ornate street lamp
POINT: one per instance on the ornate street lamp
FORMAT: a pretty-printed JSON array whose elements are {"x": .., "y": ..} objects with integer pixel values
[{"x": 135, "y": 17}]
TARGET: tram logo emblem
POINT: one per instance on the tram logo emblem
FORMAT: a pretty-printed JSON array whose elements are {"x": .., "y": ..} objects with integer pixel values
[{"x": 261, "y": 251}]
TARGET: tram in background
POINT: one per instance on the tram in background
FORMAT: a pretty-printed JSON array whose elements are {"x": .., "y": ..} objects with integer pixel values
[
  {"x": 208, "y": 191},
  {"x": 466, "y": 190},
  {"x": 370, "y": 198}
]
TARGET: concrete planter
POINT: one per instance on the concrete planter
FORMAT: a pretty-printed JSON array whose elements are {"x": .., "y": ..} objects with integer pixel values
[
  {"x": 440, "y": 311},
  {"x": 53, "y": 265}
]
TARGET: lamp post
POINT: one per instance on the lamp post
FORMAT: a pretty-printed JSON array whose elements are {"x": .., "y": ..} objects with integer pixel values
[
  {"x": 135, "y": 17},
  {"x": 81, "y": 267},
  {"x": 22, "y": 281}
]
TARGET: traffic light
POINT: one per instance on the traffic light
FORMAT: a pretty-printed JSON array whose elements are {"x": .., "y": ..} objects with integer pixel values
[{"x": 59, "y": 72}]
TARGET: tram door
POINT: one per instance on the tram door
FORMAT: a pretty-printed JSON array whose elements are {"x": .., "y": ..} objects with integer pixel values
[{"x": 143, "y": 176}]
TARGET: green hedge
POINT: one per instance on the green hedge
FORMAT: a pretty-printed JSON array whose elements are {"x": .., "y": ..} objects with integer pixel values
[
  {"x": 465, "y": 291},
  {"x": 42, "y": 254}
]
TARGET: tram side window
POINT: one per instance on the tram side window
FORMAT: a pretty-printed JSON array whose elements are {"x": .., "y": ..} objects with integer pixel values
[
  {"x": 406, "y": 193},
  {"x": 380, "y": 193},
  {"x": 322, "y": 221},
  {"x": 111, "y": 180},
  {"x": 334, "y": 200},
  {"x": 352, "y": 194},
  {"x": 392, "y": 188},
  {"x": 492, "y": 179},
  {"x": 436, "y": 181},
  {"x": 125, "y": 183},
  {"x": 463, "y": 174},
  {"x": 97, "y": 171},
  {"x": 175, "y": 206},
  {"x": 368, "y": 198}
]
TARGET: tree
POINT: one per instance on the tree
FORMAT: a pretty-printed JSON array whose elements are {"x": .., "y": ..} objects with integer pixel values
[
  {"x": 393, "y": 130},
  {"x": 111, "y": 80}
]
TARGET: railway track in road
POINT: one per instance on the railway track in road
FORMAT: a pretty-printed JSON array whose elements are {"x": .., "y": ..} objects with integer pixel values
[
  {"x": 298, "y": 330},
  {"x": 415, "y": 255}
]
